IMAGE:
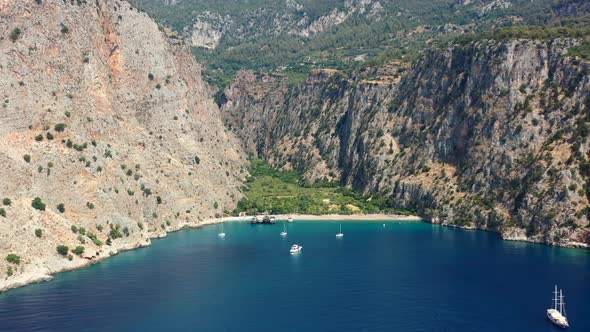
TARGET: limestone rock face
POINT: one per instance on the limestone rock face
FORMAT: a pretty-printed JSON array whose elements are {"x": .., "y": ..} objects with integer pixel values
[
  {"x": 205, "y": 34},
  {"x": 101, "y": 113},
  {"x": 491, "y": 135}
]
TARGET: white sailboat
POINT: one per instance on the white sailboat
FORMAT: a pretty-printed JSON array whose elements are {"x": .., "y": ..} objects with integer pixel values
[
  {"x": 289, "y": 219},
  {"x": 557, "y": 314},
  {"x": 284, "y": 232},
  {"x": 222, "y": 234},
  {"x": 339, "y": 235}
]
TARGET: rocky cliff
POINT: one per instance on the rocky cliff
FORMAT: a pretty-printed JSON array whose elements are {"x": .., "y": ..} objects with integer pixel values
[
  {"x": 111, "y": 127},
  {"x": 491, "y": 135}
]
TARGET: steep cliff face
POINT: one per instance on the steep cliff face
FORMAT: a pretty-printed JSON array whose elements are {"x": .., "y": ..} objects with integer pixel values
[
  {"x": 491, "y": 135},
  {"x": 111, "y": 126}
]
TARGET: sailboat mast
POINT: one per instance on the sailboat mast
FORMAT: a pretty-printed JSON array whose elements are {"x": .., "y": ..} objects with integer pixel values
[
  {"x": 560, "y": 302},
  {"x": 555, "y": 297}
]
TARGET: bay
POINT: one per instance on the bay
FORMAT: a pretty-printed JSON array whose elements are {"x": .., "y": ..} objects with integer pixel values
[{"x": 382, "y": 276}]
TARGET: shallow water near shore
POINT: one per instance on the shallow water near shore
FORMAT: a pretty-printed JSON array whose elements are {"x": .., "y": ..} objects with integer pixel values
[{"x": 402, "y": 277}]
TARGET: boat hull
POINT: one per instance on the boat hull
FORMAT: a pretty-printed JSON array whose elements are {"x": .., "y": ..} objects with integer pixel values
[
  {"x": 295, "y": 249},
  {"x": 557, "y": 319}
]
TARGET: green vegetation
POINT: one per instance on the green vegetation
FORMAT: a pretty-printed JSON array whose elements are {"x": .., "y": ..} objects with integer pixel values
[
  {"x": 14, "y": 259},
  {"x": 62, "y": 250},
  {"x": 571, "y": 27},
  {"x": 27, "y": 158},
  {"x": 2, "y": 212},
  {"x": 398, "y": 31},
  {"x": 79, "y": 250},
  {"x": 61, "y": 208},
  {"x": 74, "y": 229},
  {"x": 526, "y": 32},
  {"x": 94, "y": 239},
  {"x": 38, "y": 204},
  {"x": 6, "y": 201},
  {"x": 287, "y": 192},
  {"x": 582, "y": 50},
  {"x": 64, "y": 29},
  {"x": 38, "y": 233},
  {"x": 15, "y": 34},
  {"x": 39, "y": 138},
  {"x": 60, "y": 127},
  {"x": 115, "y": 234}
]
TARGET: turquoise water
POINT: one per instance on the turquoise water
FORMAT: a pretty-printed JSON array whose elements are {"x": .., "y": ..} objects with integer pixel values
[{"x": 404, "y": 277}]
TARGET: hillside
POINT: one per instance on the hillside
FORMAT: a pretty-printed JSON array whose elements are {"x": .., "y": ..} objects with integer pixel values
[
  {"x": 298, "y": 35},
  {"x": 490, "y": 134},
  {"x": 109, "y": 124}
]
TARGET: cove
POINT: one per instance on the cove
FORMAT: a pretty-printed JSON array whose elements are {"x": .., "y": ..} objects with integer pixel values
[{"x": 405, "y": 276}]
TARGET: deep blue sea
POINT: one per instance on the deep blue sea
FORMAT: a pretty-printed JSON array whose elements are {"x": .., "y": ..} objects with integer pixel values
[{"x": 401, "y": 277}]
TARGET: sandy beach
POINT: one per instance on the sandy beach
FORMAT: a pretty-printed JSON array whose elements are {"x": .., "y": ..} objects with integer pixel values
[{"x": 352, "y": 217}]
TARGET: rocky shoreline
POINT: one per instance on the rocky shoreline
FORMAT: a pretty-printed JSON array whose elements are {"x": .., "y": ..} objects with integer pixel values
[{"x": 45, "y": 273}]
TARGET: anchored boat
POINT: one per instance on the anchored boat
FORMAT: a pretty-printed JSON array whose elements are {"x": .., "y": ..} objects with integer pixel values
[
  {"x": 340, "y": 234},
  {"x": 295, "y": 249},
  {"x": 557, "y": 314}
]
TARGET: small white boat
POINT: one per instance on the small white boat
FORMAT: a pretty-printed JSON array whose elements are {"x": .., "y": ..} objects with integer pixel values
[
  {"x": 557, "y": 314},
  {"x": 222, "y": 234},
  {"x": 289, "y": 219},
  {"x": 284, "y": 232},
  {"x": 295, "y": 249},
  {"x": 339, "y": 235}
]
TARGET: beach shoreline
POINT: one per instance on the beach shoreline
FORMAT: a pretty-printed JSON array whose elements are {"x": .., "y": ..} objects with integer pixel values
[{"x": 340, "y": 217}]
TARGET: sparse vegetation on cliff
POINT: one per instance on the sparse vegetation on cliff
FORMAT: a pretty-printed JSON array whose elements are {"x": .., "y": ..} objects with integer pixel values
[
  {"x": 15, "y": 34},
  {"x": 38, "y": 204},
  {"x": 79, "y": 250},
  {"x": 62, "y": 250},
  {"x": 13, "y": 258}
]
